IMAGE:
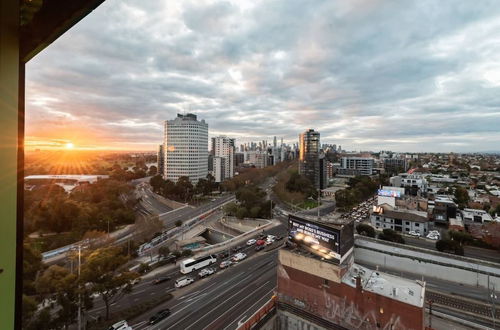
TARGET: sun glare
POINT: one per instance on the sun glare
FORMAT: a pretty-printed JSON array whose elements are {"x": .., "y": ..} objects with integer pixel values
[{"x": 70, "y": 145}]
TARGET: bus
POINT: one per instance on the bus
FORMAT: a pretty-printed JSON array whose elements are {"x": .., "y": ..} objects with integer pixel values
[{"x": 188, "y": 265}]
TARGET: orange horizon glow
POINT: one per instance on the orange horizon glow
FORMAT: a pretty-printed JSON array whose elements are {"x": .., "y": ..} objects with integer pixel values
[{"x": 73, "y": 145}]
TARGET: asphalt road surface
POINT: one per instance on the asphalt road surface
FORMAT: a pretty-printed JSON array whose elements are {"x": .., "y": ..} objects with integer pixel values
[
  {"x": 469, "y": 251},
  {"x": 216, "y": 284}
]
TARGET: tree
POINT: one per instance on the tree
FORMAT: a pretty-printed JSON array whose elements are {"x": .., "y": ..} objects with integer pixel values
[
  {"x": 365, "y": 230},
  {"x": 461, "y": 196},
  {"x": 102, "y": 271},
  {"x": 230, "y": 208},
  {"x": 32, "y": 265},
  {"x": 460, "y": 237},
  {"x": 153, "y": 170},
  {"x": 164, "y": 251},
  {"x": 65, "y": 287},
  {"x": 157, "y": 183},
  {"x": 143, "y": 268},
  {"x": 184, "y": 188},
  {"x": 178, "y": 223},
  {"x": 451, "y": 246}
]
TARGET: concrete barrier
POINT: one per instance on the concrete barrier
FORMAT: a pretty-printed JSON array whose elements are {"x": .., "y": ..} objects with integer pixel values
[
  {"x": 222, "y": 246},
  {"x": 426, "y": 263}
]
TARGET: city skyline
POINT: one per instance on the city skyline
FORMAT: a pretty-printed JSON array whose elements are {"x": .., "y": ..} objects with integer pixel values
[{"x": 365, "y": 75}]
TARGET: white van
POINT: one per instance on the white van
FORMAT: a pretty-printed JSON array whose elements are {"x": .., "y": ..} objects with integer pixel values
[
  {"x": 122, "y": 325},
  {"x": 183, "y": 281}
]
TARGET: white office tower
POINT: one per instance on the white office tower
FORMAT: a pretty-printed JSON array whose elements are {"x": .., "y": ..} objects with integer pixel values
[
  {"x": 223, "y": 148},
  {"x": 186, "y": 148}
]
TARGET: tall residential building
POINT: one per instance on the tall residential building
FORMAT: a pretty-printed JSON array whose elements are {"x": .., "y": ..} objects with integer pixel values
[
  {"x": 223, "y": 148},
  {"x": 186, "y": 148},
  {"x": 309, "y": 159},
  {"x": 161, "y": 159}
]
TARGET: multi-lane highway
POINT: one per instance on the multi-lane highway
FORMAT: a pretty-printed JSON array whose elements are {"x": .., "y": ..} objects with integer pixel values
[{"x": 224, "y": 298}]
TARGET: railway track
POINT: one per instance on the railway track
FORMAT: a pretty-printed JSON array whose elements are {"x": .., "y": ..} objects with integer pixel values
[{"x": 462, "y": 304}]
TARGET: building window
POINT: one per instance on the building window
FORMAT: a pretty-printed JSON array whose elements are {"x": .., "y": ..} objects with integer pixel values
[{"x": 417, "y": 225}]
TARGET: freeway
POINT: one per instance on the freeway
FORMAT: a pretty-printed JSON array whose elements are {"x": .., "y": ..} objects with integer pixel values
[
  {"x": 145, "y": 290},
  {"x": 220, "y": 302},
  {"x": 469, "y": 251},
  {"x": 150, "y": 201}
]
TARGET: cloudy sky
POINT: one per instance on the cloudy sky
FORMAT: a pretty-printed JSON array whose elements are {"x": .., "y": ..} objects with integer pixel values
[{"x": 369, "y": 75}]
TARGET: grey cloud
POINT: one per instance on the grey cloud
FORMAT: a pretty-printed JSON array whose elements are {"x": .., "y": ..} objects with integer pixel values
[{"x": 359, "y": 70}]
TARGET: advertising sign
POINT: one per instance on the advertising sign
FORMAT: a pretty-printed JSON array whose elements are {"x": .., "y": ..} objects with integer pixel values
[
  {"x": 323, "y": 241},
  {"x": 389, "y": 193}
]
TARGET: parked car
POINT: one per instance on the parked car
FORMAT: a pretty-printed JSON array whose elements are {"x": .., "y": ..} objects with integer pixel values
[
  {"x": 279, "y": 238},
  {"x": 414, "y": 233},
  {"x": 136, "y": 280},
  {"x": 206, "y": 272},
  {"x": 161, "y": 279},
  {"x": 433, "y": 236},
  {"x": 268, "y": 242},
  {"x": 225, "y": 264},
  {"x": 251, "y": 242},
  {"x": 239, "y": 256},
  {"x": 183, "y": 281},
  {"x": 261, "y": 242},
  {"x": 160, "y": 315},
  {"x": 259, "y": 247}
]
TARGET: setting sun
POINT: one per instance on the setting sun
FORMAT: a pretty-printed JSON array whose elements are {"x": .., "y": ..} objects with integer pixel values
[{"x": 70, "y": 145}]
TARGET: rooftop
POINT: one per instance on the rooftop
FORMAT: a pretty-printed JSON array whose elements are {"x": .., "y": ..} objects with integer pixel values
[
  {"x": 333, "y": 220},
  {"x": 397, "y": 288}
]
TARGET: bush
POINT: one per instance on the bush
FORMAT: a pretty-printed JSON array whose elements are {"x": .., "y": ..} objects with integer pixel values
[
  {"x": 178, "y": 223},
  {"x": 143, "y": 268},
  {"x": 365, "y": 230},
  {"x": 450, "y": 246},
  {"x": 186, "y": 253},
  {"x": 391, "y": 236}
]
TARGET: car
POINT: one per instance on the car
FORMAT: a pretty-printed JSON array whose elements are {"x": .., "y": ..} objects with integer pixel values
[
  {"x": 122, "y": 325},
  {"x": 271, "y": 237},
  {"x": 433, "y": 237},
  {"x": 223, "y": 255},
  {"x": 183, "y": 281},
  {"x": 279, "y": 238},
  {"x": 161, "y": 279},
  {"x": 268, "y": 242},
  {"x": 135, "y": 281},
  {"x": 225, "y": 264},
  {"x": 259, "y": 247},
  {"x": 206, "y": 272},
  {"x": 251, "y": 242},
  {"x": 236, "y": 248},
  {"x": 414, "y": 233},
  {"x": 238, "y": 257},
  {"x": 261, "y": 242},
  {"x": 160, "y": 315}
]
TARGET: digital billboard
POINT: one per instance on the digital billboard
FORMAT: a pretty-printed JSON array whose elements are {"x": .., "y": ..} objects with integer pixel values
[
  {"x": 323, "y": 241},
  {"x": 389, "y": 193}
]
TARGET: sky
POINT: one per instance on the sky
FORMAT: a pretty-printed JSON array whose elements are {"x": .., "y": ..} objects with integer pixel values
[{"x": 367, "y": 74}]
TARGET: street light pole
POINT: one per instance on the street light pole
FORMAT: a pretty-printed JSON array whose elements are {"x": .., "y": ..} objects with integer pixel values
[
  {"x": 493, "y": 297},
  {"x": 79, "y": 294}
]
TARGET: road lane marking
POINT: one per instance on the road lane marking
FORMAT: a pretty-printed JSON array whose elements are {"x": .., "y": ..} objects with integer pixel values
[
  {"x": 213, "y": 298},
  {"x": 265, "y": 296},
  {"x": 226, "y": 310}
]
